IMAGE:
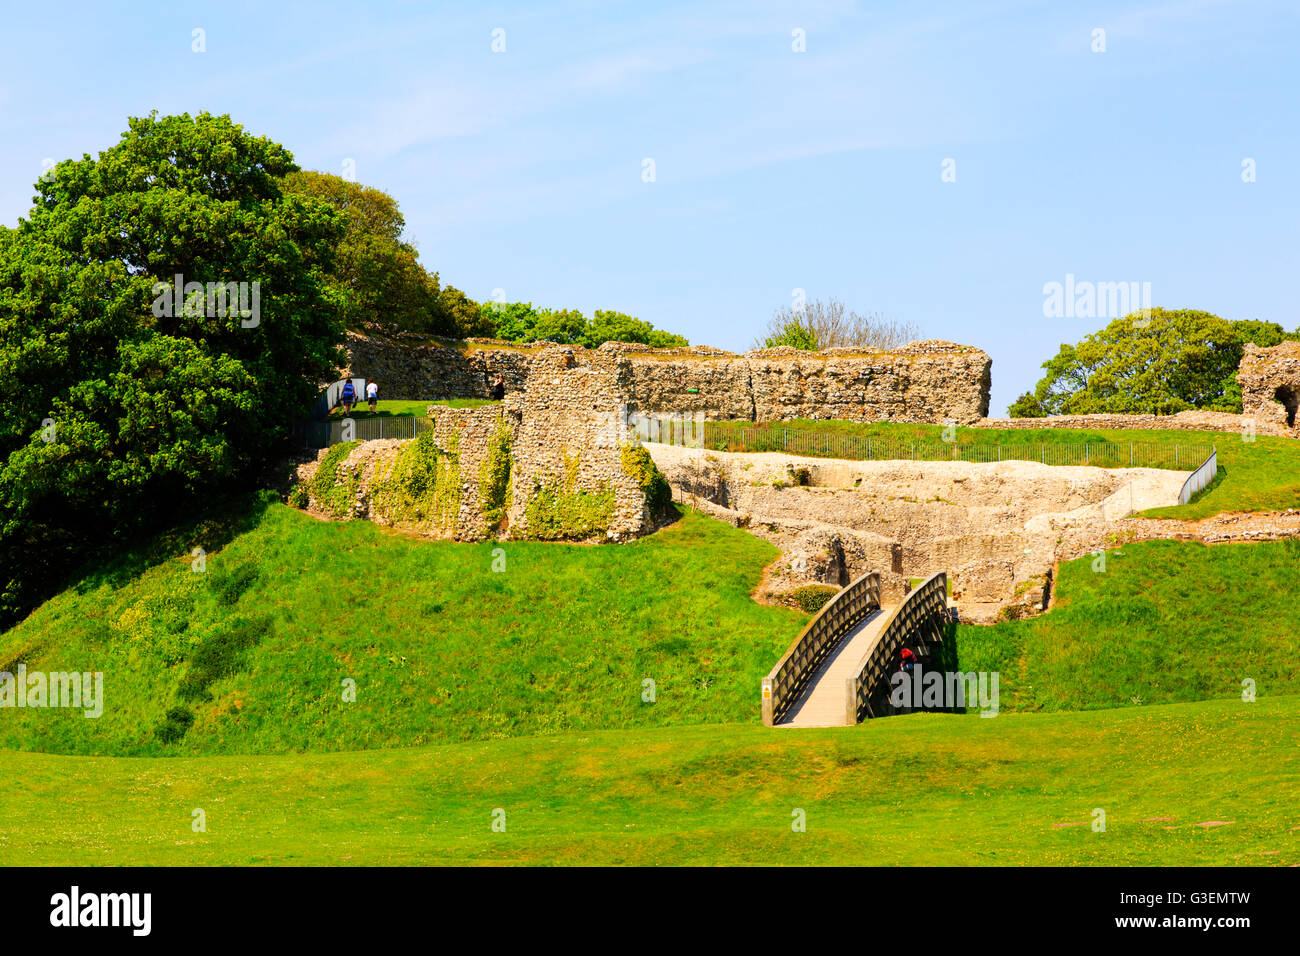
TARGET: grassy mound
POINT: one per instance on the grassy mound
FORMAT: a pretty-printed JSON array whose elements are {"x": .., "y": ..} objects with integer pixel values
[
  {"x": 444, "y": 641},
  {"x": 926, "y": 789},
  {"x": 301, "y": 635},
  {"x": 1165, "y": 621}
]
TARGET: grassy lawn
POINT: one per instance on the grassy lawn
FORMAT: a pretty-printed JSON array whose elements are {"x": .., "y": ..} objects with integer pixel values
[
  {"x": 385, "y": 408},
  {"x": 441, "y": 646},
  {"x": 924, "y": 789},
  {"x": 522, "y": 690},
  {"x": 1262, "y": 475},
  {"x": 1166, "y": 621}
]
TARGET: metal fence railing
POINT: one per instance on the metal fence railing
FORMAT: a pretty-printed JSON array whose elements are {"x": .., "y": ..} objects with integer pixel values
[
  {"x": 325, "y": 434},
  {"x": 725, "y": 436},
  {"x": 1201, "y": 477}
]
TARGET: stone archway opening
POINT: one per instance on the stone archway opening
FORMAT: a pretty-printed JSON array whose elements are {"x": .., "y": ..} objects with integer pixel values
[{"x": 1289, "y": 396}]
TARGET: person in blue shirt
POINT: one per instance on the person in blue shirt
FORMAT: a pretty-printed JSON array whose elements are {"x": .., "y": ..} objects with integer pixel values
[{"x": 348, "y": 397}]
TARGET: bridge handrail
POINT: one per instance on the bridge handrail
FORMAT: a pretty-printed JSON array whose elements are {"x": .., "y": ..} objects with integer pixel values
[
  {"x": 839, "y": 615},
  {"x": 920, "y": 612},
  {"x": 1201, "y": 477}
]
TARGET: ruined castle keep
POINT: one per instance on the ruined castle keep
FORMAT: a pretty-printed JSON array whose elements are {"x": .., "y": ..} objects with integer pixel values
[
  {"x": 555, "y": 461},
  {"x": 919, "y": 382},
  {"x": 552, "y": 462}
]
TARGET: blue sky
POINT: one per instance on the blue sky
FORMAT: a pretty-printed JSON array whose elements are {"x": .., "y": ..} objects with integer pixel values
[{"x": 775, "y": 170}]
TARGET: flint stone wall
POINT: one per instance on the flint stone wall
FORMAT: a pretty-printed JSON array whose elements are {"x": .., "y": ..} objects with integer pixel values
[
  {"x": 470, "y": 431},
  {"x": 1270, "y": 386},
  {"x": 928, "y": 381},
  {"x": 413, "y": 368},
  {"x": 566, "y": 433},
  {"x": 570, "y": 408}
]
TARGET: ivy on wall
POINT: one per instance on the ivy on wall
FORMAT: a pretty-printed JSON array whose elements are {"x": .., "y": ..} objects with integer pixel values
[
  {"x": 640, "y": 467},
  {"x": 324, "y": 487},
  {"x": 562, "y": 511},
  {"x": 494, "y": 476},
  {"x": 422, "y": 486}
]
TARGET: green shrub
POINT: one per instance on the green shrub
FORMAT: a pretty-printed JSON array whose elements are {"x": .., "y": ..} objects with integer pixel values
[
  {"x": 811, "y": 598},
  {"x": 561, "y": 511},
  {"x": 640, "y": 467},
  {"x": 298, "y": 497},
  {"x": 557, "y": 513},
  {"x": 494, "y": 477}
]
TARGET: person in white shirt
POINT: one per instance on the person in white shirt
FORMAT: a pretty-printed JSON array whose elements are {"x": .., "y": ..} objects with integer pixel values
[{"x": 372, "y": 395}]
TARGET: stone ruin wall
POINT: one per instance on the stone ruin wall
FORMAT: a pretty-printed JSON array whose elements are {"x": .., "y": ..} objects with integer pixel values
[
  {"x": 919, "y": 382},
  {"x": 1270, "y": 386},
  {"x": 414, "y": 368},
  {"x": 565, "y": 434},
  {"x": 470, "y": 431},
  {"x": 927, "y": 382},
  {"x": 997, "y": 528},
  {"x": 570, "y": 412}
]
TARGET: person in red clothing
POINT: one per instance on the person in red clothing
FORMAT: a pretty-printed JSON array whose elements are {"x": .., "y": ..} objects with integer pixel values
[{"x": 908, "y": 658}]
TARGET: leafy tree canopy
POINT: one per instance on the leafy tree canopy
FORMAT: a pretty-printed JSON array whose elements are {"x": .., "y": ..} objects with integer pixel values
[
  {"x": 129, "y": 399},
  {"x": 521, "y": 322},
  {"x": 466, "y": 317},
  {"x": 376, "y": 275},
  {"x": 1170, "y": 361}
]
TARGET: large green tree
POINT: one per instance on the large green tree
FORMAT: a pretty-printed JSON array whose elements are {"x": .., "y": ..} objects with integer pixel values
[
  {"x": 126, "y": 402},
  {"x": 1168, "y": 361},
  {"x": 376, "y": 274}
]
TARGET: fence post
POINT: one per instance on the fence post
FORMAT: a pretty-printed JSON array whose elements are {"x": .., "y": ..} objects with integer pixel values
[
  {"x": 1130, "y": 454},
  {"x": 1176, "y": 455}
]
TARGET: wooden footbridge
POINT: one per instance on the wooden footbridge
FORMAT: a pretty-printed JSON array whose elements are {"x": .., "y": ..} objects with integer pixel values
[{"x": 837, "y": 671}]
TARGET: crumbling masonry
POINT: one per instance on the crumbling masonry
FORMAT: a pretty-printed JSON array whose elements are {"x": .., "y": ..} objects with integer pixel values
[{"x": 919, "y": 382}]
